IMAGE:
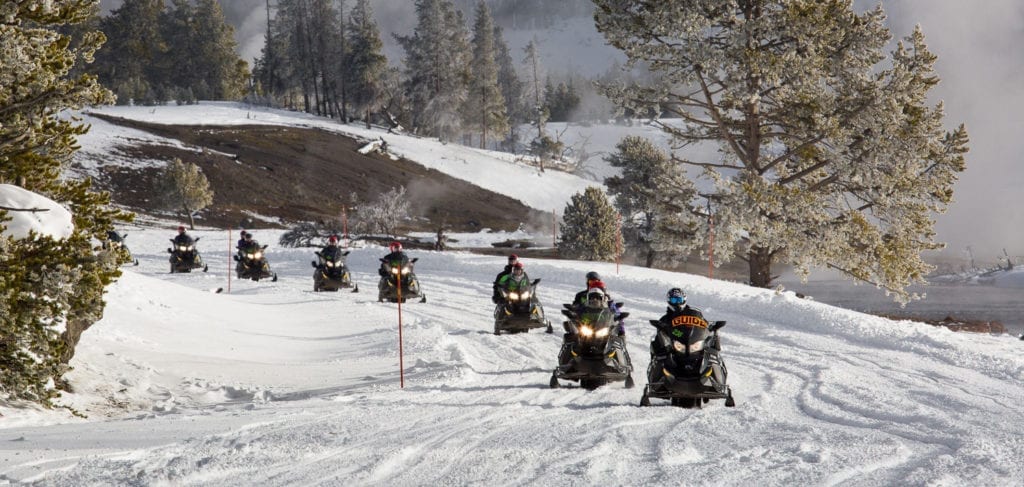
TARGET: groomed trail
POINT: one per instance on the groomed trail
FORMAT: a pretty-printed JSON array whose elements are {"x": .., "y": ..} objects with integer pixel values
[{"x": 273, "y": 384}]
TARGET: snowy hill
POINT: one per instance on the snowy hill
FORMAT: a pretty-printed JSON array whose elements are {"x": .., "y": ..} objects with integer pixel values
[{"x": 272, "y": 384}]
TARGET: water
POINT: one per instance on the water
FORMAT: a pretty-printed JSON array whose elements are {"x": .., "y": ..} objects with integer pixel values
[{"x": 966, "y": 302}]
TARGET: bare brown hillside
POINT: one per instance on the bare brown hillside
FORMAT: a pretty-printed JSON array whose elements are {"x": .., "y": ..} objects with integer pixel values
[{"x": 300, "y": 174}]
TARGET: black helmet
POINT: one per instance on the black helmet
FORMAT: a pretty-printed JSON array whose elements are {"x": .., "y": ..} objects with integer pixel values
[
  {"x": 675, "y": 297},
  {"x": 593, "y": 276}
]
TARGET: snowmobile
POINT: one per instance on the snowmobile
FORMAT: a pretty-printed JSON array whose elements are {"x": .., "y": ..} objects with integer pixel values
[
  {"x": 519, "y": 310},
  {"x": 331, "y": 273},
  {"x": 690, "y": 371},
  {"x": 252, "y": 264},
  {"x": 115, "y": 243},
  {"x": 400, "y": 275},
  {"x": 184, "y": 256},
  {"x": 593, "y": 353}
]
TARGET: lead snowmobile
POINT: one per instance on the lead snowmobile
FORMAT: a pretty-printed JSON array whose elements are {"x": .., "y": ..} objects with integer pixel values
[
  {"x": 593, "y": 352},
  {"x": 686, "y": 364},
  {"x": 519, "y": 310}
]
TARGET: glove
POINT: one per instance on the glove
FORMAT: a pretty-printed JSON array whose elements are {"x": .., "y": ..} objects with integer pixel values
[{"x": 495, "y": 299}]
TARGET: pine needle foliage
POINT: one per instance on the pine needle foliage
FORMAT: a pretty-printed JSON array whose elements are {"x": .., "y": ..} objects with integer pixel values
[
  {"x": 50, "y": 290},
  {"x": 184, "y": 187},
  {"x": 590, "y": 227},
  {"x": 829, "y": 153}
]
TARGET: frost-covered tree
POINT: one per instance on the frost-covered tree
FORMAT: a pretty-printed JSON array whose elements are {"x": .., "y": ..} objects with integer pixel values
[
  {"x": 366, "y": 65},
  {"x": 184, "y": 187},
  {"x": 384, "y": 215},
  {"x": 50, "y": 290},
  {"x": 590, "y": 227},
  {"x": 437, "y": 69},
  {"x": 485, "y": 107},
  {"x": 534, "y": 93},
  {"x": 829, "y": 153},
  {"x": 653, "y": 196}
]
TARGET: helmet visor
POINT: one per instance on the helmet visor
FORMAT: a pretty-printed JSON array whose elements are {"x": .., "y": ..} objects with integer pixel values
[{"x": 676, "y": 300}]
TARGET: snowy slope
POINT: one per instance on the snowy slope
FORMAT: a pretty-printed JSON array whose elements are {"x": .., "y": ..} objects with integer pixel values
[
  {"x": 496, "y": 171},
  {"x": 275, "y": 385}
]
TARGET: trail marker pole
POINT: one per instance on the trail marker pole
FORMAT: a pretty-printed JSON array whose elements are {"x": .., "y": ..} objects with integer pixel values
[
  {"x": 401, "y": 359},
  {"x": 618, "y": 244},
  {"x": 229, "y": 261},
  {"x": 711, "y": 243}
]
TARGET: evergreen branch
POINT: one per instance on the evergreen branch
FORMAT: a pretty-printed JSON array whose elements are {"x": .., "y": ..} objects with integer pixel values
[
  {"x": 33, "y": 210},
  {"x": 715, "y": 114}
]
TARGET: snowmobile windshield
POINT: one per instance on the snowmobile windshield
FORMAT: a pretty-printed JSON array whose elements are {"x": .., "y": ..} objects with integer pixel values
[{"x": 596, "y": 323}]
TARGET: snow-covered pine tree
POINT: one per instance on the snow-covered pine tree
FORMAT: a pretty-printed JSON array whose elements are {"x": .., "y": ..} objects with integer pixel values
[
  {"x": 50, "y": 290},
  {"x": 653, "y": 196},
  {"x": 589, "y": 227},
  {"x": 367, "y": 65},
  {"x": 437, "y": 69},
  {"x": 133, "y": 55},
  {"x": 534, "y": 93},
  {"x": 829, "y": 151},
  {"x": 184, "y": 187},
  {"x": 485, "y": 106}
]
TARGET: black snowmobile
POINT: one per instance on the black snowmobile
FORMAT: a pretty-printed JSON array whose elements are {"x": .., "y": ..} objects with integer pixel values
[
  {"x": 252, "y": 264},
  {"x": 519, "y": 310},
  {"x": 387, "y": 288},
  {"x": 686, "y": 365},
  {"x": 184, "y": 256},
  {"x": 115, "y": 243},
  {"x": 331, "y": 272},
  {"x": 593, "y": 353}
]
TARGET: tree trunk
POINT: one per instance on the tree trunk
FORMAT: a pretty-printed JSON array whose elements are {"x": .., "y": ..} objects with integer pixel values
[
  {"x": 649, "y": 260},
  {"x": 191, "y": 219},
  {"x": 760, "y": 267}
]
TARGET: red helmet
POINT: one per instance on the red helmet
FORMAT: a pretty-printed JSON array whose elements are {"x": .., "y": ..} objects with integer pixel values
[
  {"x": 517, "y": 265},
  {"x": 395, "y": 246},
  {"x": 333, "y": 239},
  {"x": 513, "y": 257},
  {"x": 181, "y": 228}
]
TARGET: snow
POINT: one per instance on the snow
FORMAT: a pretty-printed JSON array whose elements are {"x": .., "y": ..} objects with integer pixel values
[
  {"x": 496, "y": 171},
  {"x": 53, "y": 221},
  {"x": 272, "y": 384}
]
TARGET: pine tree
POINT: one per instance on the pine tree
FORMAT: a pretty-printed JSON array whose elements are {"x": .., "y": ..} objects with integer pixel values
[
  {"x": 437, "y": 68},
  {"x": 217, "y": 61},
  {"x": 367, "y": 65},
  {"x": 653, "y": 198},
  {"x": 510, "y": 85},
  {"x": 485, "y": 103},
  {"x": 184, "y": 187},
  {"x": 133, "y": 57},
  {"x": 590, "y": 227},
  {"x": 830, "y": 154},
  {"x": 534, "y": 93},
  {"x": 50, "y": 290}
]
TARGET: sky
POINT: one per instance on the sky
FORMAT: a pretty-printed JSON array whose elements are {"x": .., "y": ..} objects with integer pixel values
[{"x": 271, "y": 384}]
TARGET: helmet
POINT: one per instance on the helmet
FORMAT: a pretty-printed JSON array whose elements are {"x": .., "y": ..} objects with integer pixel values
[
  {"x": 181, "y": 228},
  {"x": 596, "y": 298},
  {"x": 246, "y": 235},
  {"x": 517, "y": 268},
  {"x": 675, "y": 297},
  {"x": 593, "y": 276},
  {"x": 395, "y": 246},
  {"x": 513, "y": 257},
  {"x": 333, "y": 239}
]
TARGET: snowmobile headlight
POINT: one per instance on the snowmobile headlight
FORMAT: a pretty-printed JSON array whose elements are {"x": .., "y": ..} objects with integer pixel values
[
  {"x": 603, "y": 332},
  {"x": 679, "y": 346},
  {"x": 331, "y": 264},
  {"x": 258, "y": 255},
  {"x": 395, "y": 270},
  {"x": 406, "y": 270},
  {"x": 523, "y": 295},
  {"x": 513, "y": 296},
  {"x": 183, "y": 248},
  {"x": 697, "y": 346},
  {"x": 586, "y": 331}
]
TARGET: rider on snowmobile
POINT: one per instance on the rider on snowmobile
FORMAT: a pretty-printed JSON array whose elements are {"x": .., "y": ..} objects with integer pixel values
[
  {"x": 580, "y": 300},
  {"x": 396, "y": 258},
  {"x": 515, "y": 280},
  {"x": 512, "y": 259},
  {"x": 182, "y": 238},
  {"x": 331, "y": 250},
  {"x": 677, "y": 310}
]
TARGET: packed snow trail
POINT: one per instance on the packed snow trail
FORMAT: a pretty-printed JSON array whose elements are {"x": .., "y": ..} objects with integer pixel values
[{"x": 272, "y": 384}]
